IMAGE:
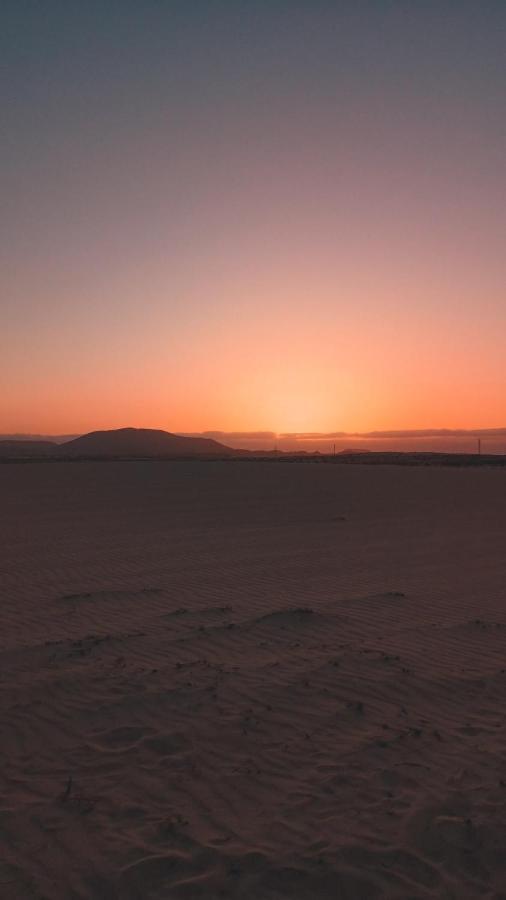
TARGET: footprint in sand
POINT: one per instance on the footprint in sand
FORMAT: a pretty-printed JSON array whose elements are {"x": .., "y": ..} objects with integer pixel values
[{"x": 126, "y": 737}]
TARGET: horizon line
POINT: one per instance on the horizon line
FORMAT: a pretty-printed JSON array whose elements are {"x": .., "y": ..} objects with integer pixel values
[{"x": 380, "y": 434}]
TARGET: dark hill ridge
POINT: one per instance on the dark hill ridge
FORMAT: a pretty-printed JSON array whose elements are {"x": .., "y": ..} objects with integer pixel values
[
  {"x": 141, "y": 442},
  {"x": 151, "y": 443},
  {"x": 27, "y": 449}
]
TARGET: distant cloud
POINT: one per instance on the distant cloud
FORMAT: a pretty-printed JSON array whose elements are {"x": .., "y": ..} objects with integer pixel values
[
  {"x": 421, "y": 439},
  {"x": 249, "y": 435},
  {"x": 407, "y": 433}
]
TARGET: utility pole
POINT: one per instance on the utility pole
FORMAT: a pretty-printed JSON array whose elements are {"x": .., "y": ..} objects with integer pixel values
[{"x": 479, "y": 446}]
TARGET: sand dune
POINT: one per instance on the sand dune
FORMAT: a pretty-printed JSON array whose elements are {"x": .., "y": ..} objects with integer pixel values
[{"x": 235, "y": 680}]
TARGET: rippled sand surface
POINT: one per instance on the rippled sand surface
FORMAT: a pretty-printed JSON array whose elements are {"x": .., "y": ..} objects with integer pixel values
[{"x": 253, "y": 681}]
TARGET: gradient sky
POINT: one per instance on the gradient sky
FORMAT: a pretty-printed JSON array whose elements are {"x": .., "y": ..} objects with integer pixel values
[{"x": 240, "y": 215}]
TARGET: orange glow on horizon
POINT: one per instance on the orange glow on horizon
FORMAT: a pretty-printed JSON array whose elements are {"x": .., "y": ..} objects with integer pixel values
[
  {"x": 340, "y": 364},
  {"x": 299, "y": 369}
]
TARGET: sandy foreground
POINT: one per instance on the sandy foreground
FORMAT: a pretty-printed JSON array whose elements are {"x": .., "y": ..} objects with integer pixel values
[{"x": 252, "y": 680}]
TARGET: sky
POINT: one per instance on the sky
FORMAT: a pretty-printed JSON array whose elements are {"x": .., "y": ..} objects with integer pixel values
[{"x": 241, "y": 216}]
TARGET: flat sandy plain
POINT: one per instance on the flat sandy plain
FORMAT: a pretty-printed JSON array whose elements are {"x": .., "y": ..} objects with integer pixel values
[{"x": 252, "y": 680}]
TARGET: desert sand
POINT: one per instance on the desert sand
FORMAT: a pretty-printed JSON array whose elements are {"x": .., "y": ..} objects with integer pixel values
[{"x": 249, "y": 680}]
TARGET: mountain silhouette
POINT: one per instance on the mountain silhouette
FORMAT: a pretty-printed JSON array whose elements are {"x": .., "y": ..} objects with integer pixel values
[
  {"x": 142, "y": 442},
  {"x": 26, "y": 449}
]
